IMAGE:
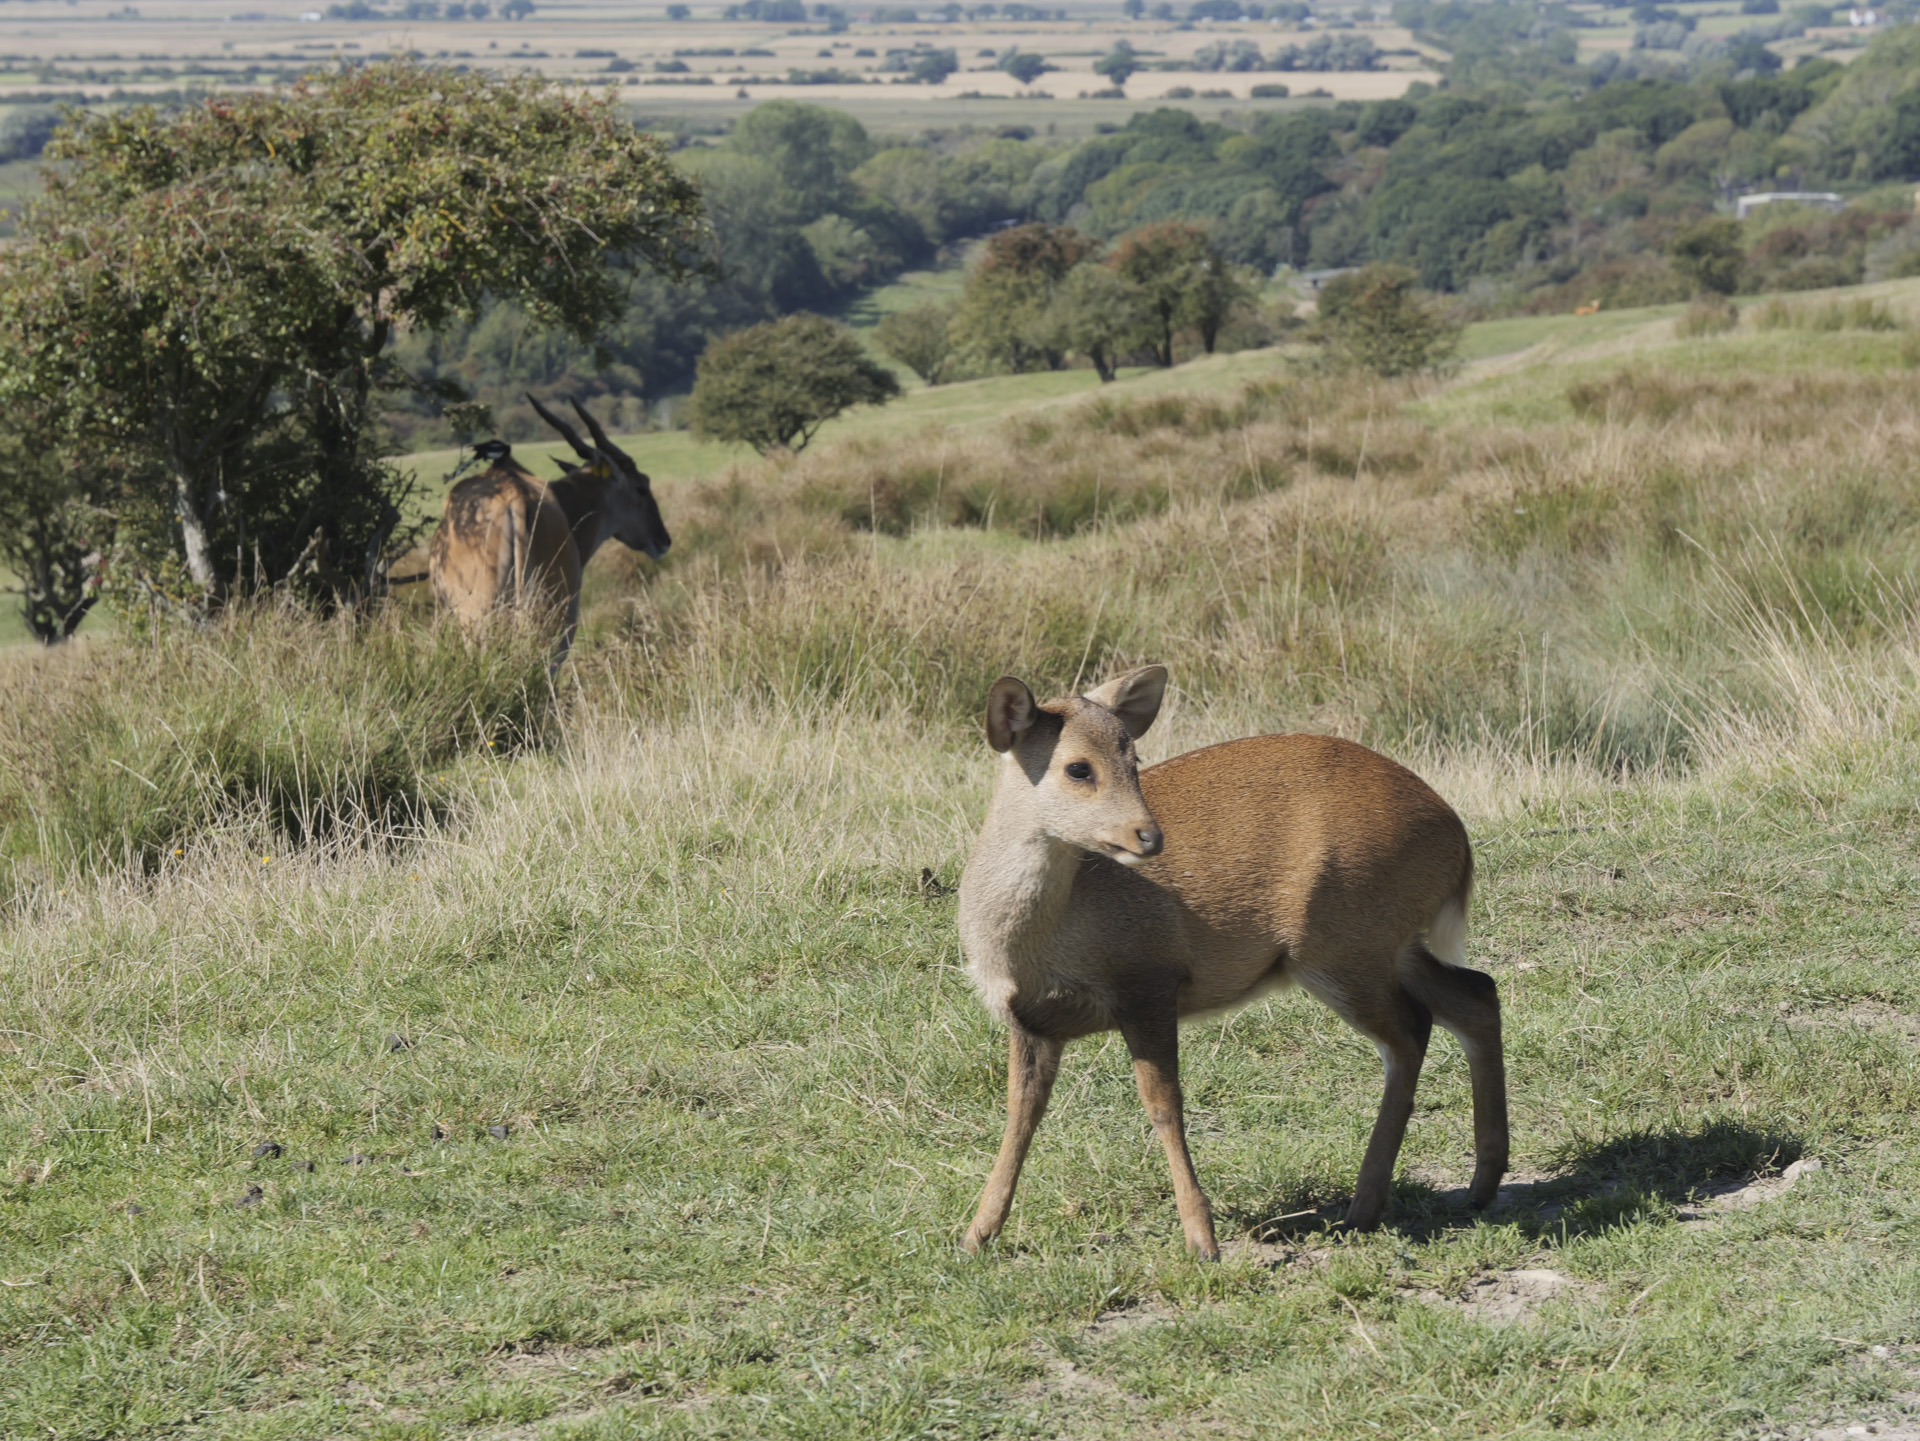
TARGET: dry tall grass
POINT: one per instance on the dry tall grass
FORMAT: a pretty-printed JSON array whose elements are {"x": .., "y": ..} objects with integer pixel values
[{"x": 1615, "y": 570}]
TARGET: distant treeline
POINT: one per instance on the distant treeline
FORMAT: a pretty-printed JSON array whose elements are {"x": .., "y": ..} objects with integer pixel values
[{"x": 1543, "y": 196}]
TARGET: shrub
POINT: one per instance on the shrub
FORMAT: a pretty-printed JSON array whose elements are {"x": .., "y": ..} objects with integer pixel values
[
  {"x": 1708, "y": 253},
  {"x": 1376, "y": 320},
  {"x": 773, "y": 386}
]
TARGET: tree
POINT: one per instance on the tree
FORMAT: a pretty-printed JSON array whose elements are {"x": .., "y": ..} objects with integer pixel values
[
  {"x": 1118, "y": 64},
  {"x": 1708, "y": 254},
  {"x": 1097, "y": 313},
  {"x": 812, "y": 150},
  {"x": 774, "y": 385},
  {"x": 1374, "y": 319},
  {"x": 1026, "y": 66},
  {"x": 1002, "y": 315},
  {"x": 1184, "y": 281},
  {"x": 919, "y": 339},
  {"x": 52, "y": 526},
  {"x": 934, "y": 66},
  {"x": 205, "y": 299}
]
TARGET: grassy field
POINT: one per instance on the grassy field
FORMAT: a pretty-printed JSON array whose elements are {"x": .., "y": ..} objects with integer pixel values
[{"x": 384, "y": 1074}]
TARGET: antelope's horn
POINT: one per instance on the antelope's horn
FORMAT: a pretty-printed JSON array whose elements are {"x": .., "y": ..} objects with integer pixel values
[
  {"x": 599, "y": 435},
  {"x": 567, "y": 432}
]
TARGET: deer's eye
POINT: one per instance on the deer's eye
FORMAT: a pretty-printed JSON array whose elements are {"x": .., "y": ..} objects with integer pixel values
[{"x": 1080, "y": 770}]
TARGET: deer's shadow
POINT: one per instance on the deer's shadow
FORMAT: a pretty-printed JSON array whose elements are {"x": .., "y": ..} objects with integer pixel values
[{"x": 1668, "y": 1173}]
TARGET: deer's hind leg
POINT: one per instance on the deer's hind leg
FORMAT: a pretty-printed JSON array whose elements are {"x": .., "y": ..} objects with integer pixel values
[
  {"x": 1387, "y": 1014},
  {"x": 1467, "y": 1003}
]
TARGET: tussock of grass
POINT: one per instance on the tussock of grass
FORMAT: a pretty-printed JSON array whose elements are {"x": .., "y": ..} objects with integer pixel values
[
  {"x": 1859, "y": 314},
  {"x": 268, "y": 722},
  {"x": 1709, "y": 315},
  {"x": 1611, "y": 589}
]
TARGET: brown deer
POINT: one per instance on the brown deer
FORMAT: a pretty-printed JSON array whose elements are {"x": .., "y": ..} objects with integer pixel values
[
  {"x": 1102, "y": 897},
  {"x": 508, "y": 538}
]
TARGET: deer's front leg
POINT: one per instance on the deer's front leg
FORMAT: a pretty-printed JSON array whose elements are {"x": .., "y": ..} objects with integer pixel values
[
  {"x": 1152, "y": 1035},
  {"x": 1032, "y": 1063}
]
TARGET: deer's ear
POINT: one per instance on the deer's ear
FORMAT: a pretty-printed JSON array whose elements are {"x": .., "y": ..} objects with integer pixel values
[
  {"x": 1010, "y": 712},
  {"x": 1135, "y": 697}
]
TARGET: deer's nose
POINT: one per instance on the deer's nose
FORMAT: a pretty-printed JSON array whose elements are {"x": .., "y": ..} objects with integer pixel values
[{"x": 1150, "y": 840}]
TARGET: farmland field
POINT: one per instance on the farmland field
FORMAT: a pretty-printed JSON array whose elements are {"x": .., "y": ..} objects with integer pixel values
[{"x": 393, "y": 1048}]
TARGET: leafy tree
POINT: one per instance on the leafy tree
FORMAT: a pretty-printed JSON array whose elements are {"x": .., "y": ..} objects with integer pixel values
[
  {"x": 1897, "y": 155},
  {"x": 1708, "y": 253},
  {"x": 1026, "y": 66},
  {"x": 53, "y": 522},
  {"x": 1183, "y": 281},
  {"x": 1002, "y": 315},
  {"x": 1118, "y": 64},
  {"x": 208, "y": 296},
  {"x": 919, "y": 338},
  {"x": 774, "y": 385},
  {"x": 812, "y": 150},
  {"x": 1097, "y": 313},
  {"x": 1374, "y": 319},
  {"x": 934, "y": 66}
]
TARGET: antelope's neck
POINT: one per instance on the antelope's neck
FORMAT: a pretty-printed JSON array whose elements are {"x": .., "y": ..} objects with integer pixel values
[
  {"x": 579, "y": 501},
  {"x": 1014, "y": 895}
]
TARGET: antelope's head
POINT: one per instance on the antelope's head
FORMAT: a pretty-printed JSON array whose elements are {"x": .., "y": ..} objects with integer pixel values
[
  {"x": 628, "y": 511},
  {"x": 1075, "y": 758}
]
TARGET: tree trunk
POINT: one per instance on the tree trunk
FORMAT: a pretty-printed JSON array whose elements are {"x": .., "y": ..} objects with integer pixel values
[
  {"x": 1102, "y": 363},
  {"x": 193, "y": 534}
]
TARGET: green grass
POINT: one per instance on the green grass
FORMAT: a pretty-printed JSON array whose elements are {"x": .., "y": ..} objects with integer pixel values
[
  {"x": 1489, "y": 339},
  {"x": 750, "y": 1096},
  {"x": 915, "y": 287}
]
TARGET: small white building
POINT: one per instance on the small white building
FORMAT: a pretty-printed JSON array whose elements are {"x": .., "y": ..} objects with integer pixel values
[
  {"x": 1822, "y": 199},
  {"x": 1861, "y": 19}
]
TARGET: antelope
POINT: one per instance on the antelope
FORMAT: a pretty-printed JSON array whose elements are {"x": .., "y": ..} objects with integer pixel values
[
  {"x": 508, "y": 538},
  {"x": 1102, "y": 897}
]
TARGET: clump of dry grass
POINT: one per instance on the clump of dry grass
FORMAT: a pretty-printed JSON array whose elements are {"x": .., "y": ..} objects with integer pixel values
[
  {"x": 1668, "y": 563},
  {"x": 1592, "y": 587},
  {"x": 269, "y": 722}
]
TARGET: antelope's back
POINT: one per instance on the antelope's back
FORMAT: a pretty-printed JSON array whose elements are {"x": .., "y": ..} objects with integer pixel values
[
  {"x": 500, "y": 535},
  {"x": 1308, "y": 839}
]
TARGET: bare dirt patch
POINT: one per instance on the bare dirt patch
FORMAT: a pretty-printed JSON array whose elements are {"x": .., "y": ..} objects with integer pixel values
[
  {"x": 1506, "y": 1298},
  {"x": 1860, "y": 1015},
  {"x": 1065, "y": 1382},
  {"x": 1895, "y": 1419}
]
